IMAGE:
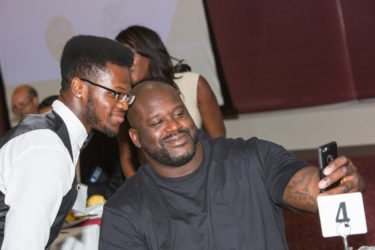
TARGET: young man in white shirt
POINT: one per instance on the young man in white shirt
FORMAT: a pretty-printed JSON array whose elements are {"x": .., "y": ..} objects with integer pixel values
[{"x": 38, "y": 157}]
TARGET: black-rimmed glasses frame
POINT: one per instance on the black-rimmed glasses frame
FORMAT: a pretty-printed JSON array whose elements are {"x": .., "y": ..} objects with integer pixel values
[{"x": 120, "y": 97}]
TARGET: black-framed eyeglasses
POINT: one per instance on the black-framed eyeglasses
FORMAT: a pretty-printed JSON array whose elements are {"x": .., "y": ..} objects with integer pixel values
[{"x": 119, "y": 96}]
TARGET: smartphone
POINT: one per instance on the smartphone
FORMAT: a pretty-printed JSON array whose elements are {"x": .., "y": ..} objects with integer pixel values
[
  {"x": 96, "y": 174},
  {"x": 326, "y": 154}
]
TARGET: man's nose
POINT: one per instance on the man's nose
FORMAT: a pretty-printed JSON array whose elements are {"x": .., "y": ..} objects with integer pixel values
[{"x": 173, "y": 125}]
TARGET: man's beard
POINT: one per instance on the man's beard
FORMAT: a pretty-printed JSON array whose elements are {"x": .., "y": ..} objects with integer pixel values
[
  {"x": 93, "y": 119},
  {"x": 162, "y": 155}
]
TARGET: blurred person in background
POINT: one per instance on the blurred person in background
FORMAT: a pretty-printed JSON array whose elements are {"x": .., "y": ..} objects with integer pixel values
[
  {"x": 46, "y": 104},
  {"x": 24, "y": 101}
]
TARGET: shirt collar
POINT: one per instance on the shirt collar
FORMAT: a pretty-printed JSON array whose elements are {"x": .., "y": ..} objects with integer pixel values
[{"x": 77, "y": 131}]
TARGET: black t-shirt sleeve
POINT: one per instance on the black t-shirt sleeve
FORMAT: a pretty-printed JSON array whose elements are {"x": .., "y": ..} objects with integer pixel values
[
  {"x": 117, "y": 231},
  {"x": 279, "y": 167}
]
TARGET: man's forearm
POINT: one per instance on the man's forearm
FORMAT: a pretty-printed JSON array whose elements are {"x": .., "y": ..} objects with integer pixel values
[{"x": 302, "y": 190}]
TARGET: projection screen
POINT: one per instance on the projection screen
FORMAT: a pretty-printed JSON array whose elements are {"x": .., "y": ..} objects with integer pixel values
[{"x": 34, "y": 33}]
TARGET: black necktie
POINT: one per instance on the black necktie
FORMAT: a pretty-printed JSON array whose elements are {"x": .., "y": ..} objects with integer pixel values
[{"x": 86, "y": 142}]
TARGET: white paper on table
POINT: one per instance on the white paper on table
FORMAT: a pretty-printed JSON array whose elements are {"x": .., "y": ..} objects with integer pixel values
[
  {"x": 80, "y": 203},
  {"x": 77, "y": 238},
  {"x": 96, "y": 211}
]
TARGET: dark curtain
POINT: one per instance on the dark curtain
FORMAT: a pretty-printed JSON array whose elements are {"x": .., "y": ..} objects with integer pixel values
[
  {"x": 4, "y": 124},
  {"x": 289, "y": 54},
  {"x": 359, "y": 18}
]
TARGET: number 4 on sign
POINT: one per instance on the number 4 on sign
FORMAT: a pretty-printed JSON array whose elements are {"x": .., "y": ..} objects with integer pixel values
[{"x": 342, "y": 214}]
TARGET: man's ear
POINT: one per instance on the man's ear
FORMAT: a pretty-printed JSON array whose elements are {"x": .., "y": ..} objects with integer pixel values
[
  {"x": 134, "y": 136},
  {"x": 76, "y": 87},
  {"x": 35, "y": 101}
]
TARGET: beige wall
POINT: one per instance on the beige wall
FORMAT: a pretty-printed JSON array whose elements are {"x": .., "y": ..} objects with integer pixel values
[{"x": 349, "y": 124}]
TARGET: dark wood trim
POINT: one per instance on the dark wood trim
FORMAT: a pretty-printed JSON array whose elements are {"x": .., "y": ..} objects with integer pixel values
[
  {"x": 3, "y": 105},
  {"x": 228, "y": 110}
]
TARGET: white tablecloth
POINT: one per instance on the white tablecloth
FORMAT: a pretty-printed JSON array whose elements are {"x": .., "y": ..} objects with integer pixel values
[{"x": 77, "y": 238}]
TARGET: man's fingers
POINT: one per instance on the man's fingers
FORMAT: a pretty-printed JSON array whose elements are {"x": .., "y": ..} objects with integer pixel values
[
  {"x": 337, "y": 163},
  {"x": 337, "y": 175},
  {"x": 343, "y": 170}
]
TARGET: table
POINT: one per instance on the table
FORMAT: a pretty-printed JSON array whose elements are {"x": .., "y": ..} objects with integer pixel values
[{"x": 82, "y": 237}]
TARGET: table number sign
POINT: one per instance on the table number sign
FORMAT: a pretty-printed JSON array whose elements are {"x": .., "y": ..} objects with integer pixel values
[
  {"x": 80, "y": 203},
  {"x": 342, "y": 214}
]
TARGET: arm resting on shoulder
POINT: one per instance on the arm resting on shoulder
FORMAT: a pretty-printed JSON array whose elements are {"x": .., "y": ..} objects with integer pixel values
[
  {"x": 304, "y": 187},
  {"x": 209, "y": 109}
]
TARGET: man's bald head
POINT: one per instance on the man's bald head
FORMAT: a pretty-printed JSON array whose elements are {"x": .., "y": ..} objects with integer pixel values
[
  {"x": 147, "y": 91},
  {"x": 161, "y": 125},
  {"x": 25, "y": 100}
]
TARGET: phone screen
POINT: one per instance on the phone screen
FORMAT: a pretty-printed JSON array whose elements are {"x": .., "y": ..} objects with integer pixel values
[{"x": 326, "y": 154}]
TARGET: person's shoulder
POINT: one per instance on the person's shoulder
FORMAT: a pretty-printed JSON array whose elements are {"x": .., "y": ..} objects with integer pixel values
[
  {"x": 32, "y": 132},
  {"x": 228, "y": 141},
  {"x": 35, "y": 138},
  {"x": 234, "y": 145},
  {"x": 256, "y": 147},
  {"x": 252, "y": 149},
  {"x": 49, "y": 120}
]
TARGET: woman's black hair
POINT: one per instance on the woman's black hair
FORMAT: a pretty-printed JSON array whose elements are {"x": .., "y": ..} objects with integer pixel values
[{"x": 147, "y": 43}]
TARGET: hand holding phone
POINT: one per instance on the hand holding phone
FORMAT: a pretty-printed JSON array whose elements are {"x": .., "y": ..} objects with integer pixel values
[{"x": 326, "y": 154}]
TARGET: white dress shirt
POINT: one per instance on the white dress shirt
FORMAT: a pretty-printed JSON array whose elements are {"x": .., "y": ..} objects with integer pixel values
[{"x": 36, "y": 171}]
